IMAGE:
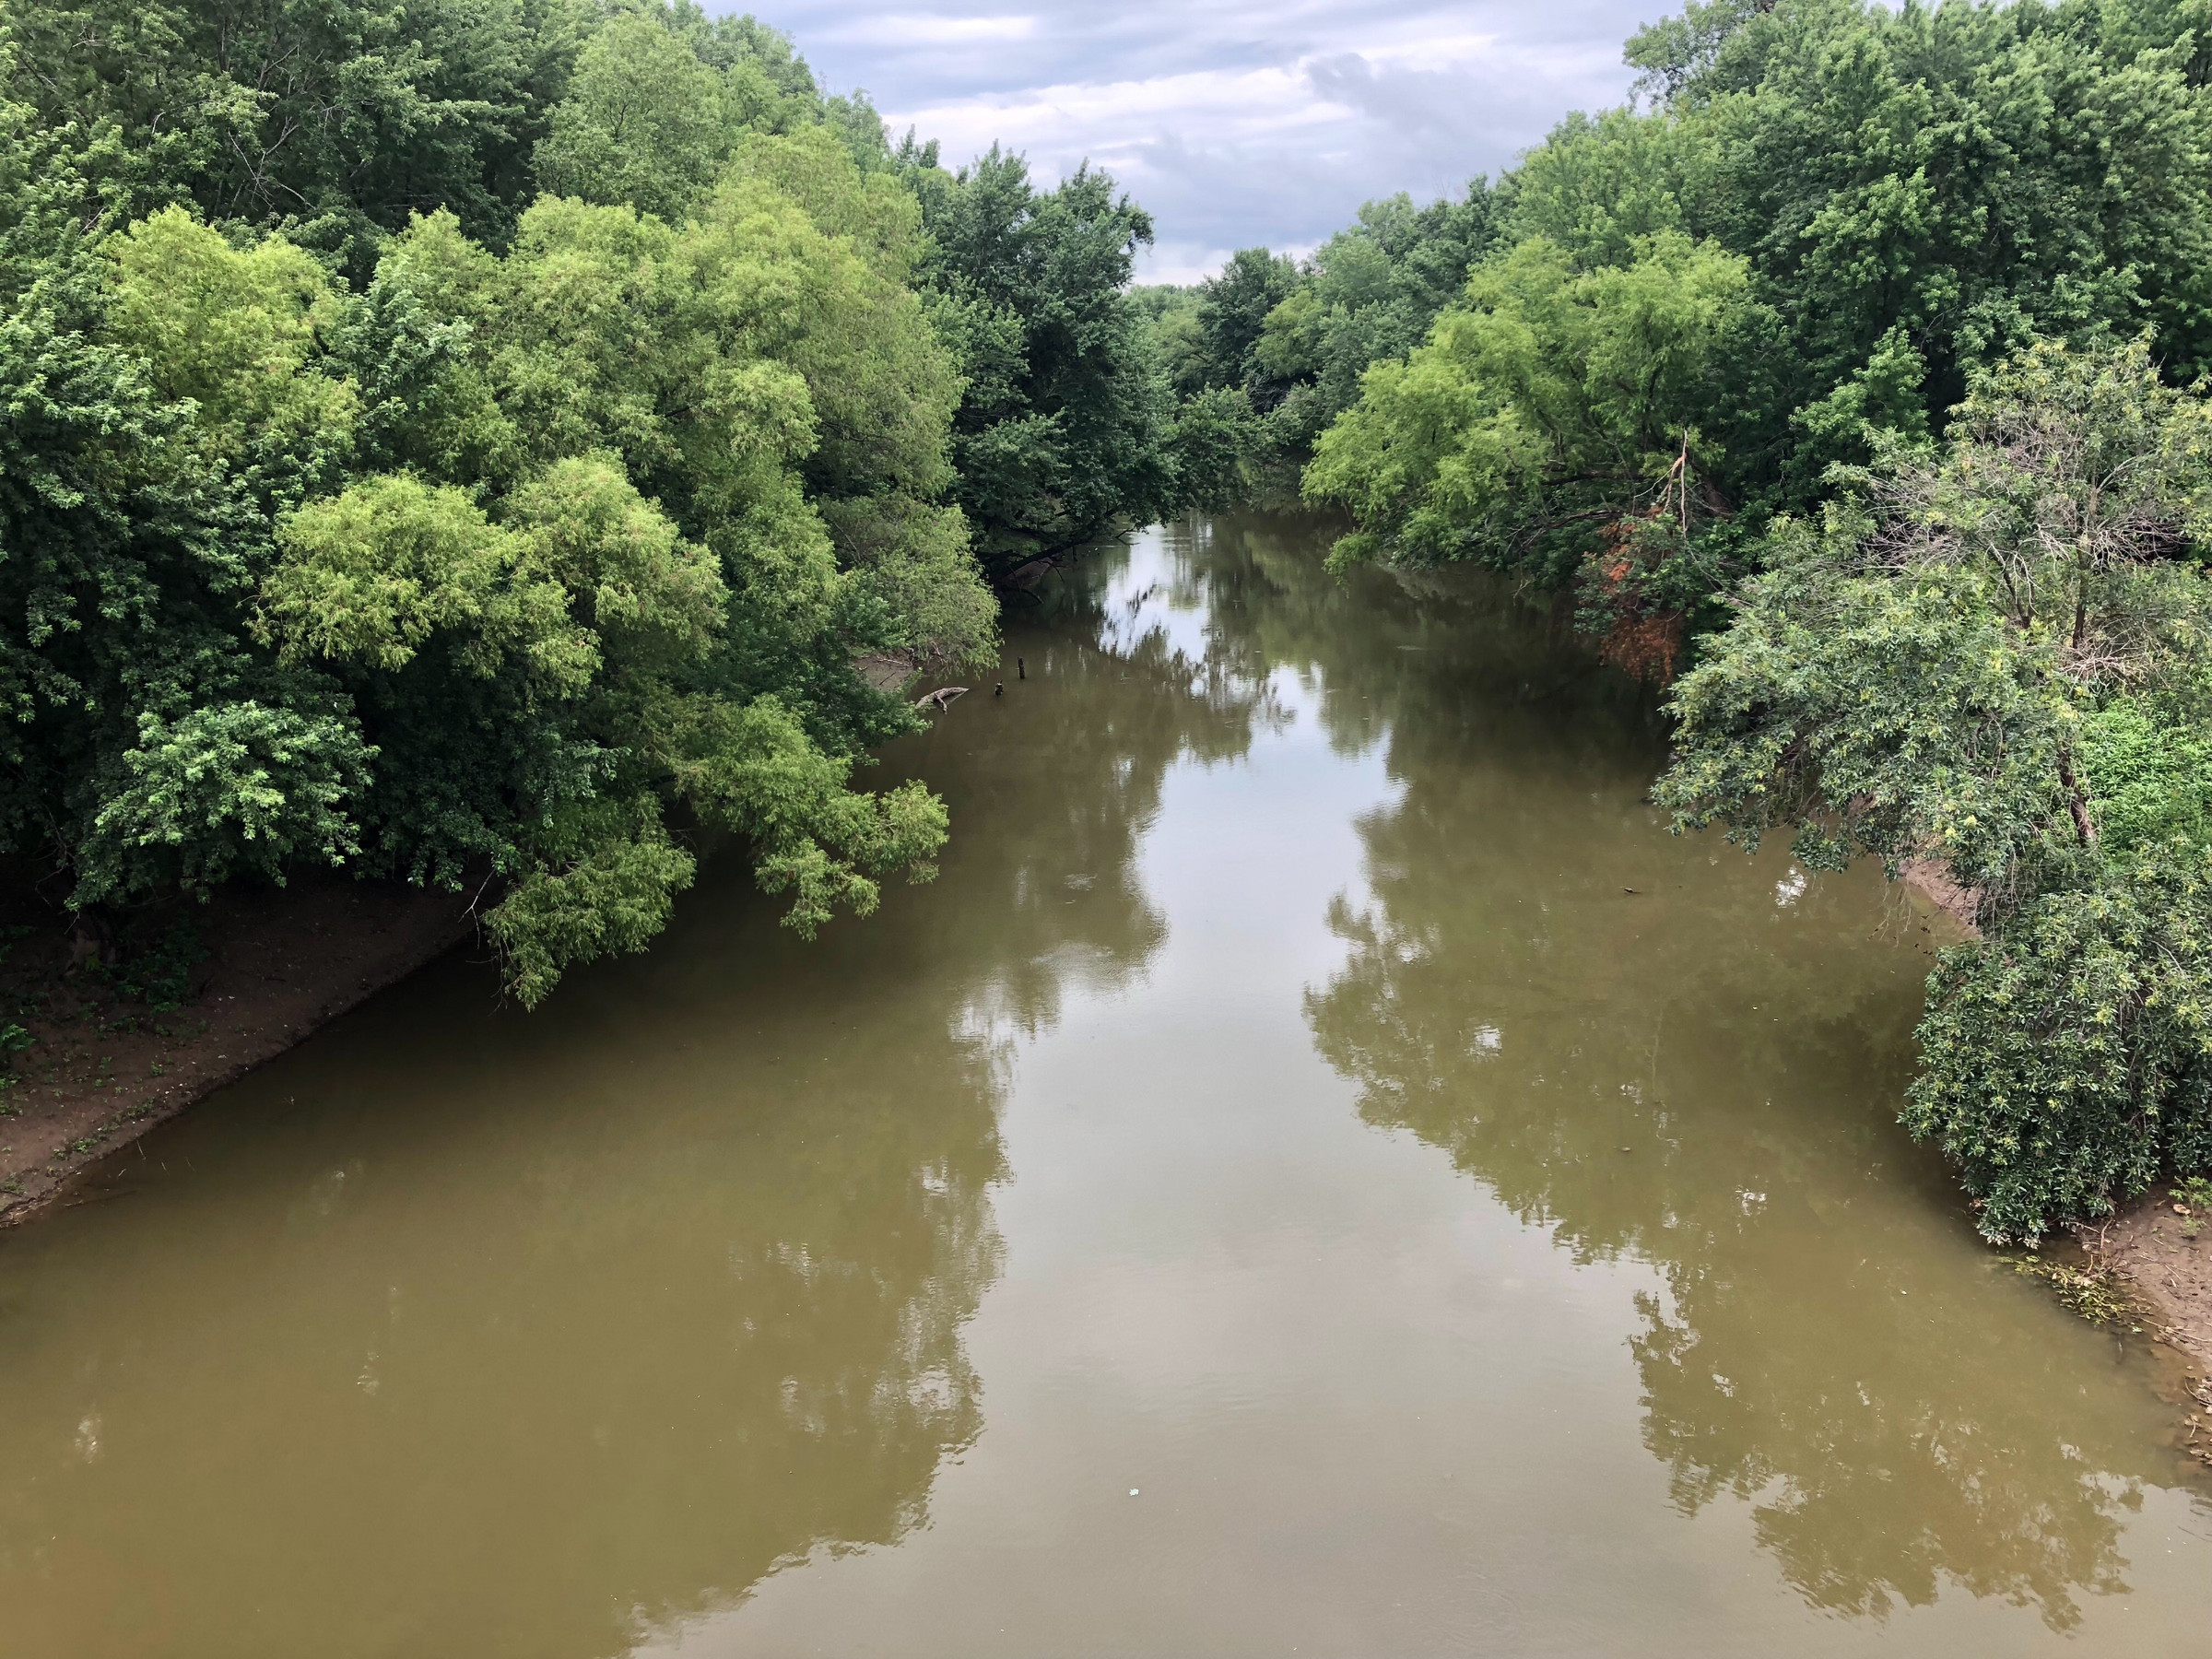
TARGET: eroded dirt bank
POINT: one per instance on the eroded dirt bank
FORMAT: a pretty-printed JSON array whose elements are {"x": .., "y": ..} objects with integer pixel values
[
  {"x": 2162, "y": 1253},
  {"x": 265, "y": 970}
]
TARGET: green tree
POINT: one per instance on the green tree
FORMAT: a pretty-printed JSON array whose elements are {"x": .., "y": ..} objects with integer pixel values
[
  {"x": 1064, "y": 429},
  {"x": 1961, "y": 665},
  {"x": 1914, "y": 194},
  {"x": 1560, "y": 418},
  {"x": 657, "y": 105},
  {"x": 336, "y": 120},
  {"x": 1368, "y": 295},
  {"x": 1232, "y": 311},
  {"x": 785, "y": 403},
  {"x": 364, "y": 506}
]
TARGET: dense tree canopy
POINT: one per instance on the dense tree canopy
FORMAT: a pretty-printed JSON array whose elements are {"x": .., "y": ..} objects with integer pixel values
[
  {"x": 1293, "y": 339},
  {"x": 1066, "y": 424},
  {"x": 478, "y": 446},
  {"x": 1857, "y": 371},
  {"x": 1994, "y": 657},
  {"x": 1910, "y": 196}
]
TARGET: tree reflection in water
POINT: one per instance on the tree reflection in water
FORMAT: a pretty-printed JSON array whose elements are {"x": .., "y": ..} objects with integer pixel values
[
  {"x": 457, "y": 1332},
  {"x": 1700, "y": 1074},
  {"x": 1053, "y": 792},
  {"x": 533, "y": 1335}
]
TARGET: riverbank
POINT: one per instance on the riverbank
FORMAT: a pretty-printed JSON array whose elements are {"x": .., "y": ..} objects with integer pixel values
[
  {"x": 2157, "y": 1260},
  {"x": 2160, "y": 1254},
  {"x": 267, "y": 968}
]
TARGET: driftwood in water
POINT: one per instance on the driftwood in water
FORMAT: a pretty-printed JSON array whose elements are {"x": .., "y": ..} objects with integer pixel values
[{"x": 938, "y": 698}]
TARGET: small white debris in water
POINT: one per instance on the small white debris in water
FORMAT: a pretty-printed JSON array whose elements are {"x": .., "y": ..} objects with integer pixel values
[{"x": 1132, "y": 1491}]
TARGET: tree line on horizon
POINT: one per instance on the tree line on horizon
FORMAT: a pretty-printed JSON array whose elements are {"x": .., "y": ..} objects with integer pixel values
[{"x": 1852, "y": 383}]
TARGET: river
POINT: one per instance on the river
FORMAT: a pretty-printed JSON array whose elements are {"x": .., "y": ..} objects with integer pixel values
[{"x": 1322, "y": 1170}]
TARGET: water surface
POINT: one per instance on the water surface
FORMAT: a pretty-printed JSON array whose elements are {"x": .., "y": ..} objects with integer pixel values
[{"x": 1321, "y": 1171}]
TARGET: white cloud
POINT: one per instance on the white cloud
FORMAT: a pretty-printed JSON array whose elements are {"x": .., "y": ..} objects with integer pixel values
[
  {"x": 1236, "y": 122},
  {"x": 1116, "y": 122},
  {"x": 929, "y": 30},
  {"x": 1185, "y": 263}
]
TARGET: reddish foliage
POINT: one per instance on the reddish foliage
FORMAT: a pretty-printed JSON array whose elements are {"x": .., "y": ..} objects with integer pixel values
[
  {"x": 1646, "y": 647},
  {"x": 1646, "y": 644}
]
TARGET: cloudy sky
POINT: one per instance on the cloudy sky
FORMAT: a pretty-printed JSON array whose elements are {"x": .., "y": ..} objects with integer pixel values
[{"x": 1236, "y": 122}]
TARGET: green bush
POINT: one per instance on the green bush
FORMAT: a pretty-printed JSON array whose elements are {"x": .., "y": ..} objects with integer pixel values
[{"x": 2066, "y": 1059}]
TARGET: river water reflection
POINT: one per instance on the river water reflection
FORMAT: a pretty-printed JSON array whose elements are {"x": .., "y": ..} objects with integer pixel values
[{"x": 1280, "y": 1191}]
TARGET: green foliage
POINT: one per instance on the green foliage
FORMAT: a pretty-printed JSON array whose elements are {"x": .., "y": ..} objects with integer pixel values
[
  {"x": 1232, "y": 313},
  {"x": 1891, "y": 718},
  {"x": 1215, "y": 435},
  {"x": 1854, "y": 153},
  {"x": 1062, "y": 431},
  {"x": 339, "y": 118},
  {"x": 1171, "y": 315},
  {"x": 1556, "y": 403},
  {"x": 2069, "y": 1056},
  {"x": 2151, "y": 777},
  {"x": 1912, "y": 196},
  {"x": 786, "y": 402},
  {"x": 650, "y": 120},
  {"x": 235, "y": 331},
  {"x": 603, "y": 881},
  {"x": 1599, "y": 184},
  {"x": 1990, "y": 659},
  {"x": 753, "y": 768},
  {"x": 461, "y": 445},
  {"x": 370, "y": 576},
  {"x": 221, "y": 789},
  {"x": 1297, "y": 337}
]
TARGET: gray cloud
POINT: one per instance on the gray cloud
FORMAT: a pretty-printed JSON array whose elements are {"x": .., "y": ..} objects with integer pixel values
[{"x": 1237, "y": 122}]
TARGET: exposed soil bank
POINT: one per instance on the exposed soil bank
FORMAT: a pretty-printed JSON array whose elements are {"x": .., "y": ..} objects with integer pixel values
[
  {"x": 104, "y": 1068},
  {"x": 1928, "y": 877},
  {"x": 2163, "y": 1256}
]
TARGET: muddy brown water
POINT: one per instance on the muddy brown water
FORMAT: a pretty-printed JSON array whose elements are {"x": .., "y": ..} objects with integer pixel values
[{"x": 1276, "y": 1192}]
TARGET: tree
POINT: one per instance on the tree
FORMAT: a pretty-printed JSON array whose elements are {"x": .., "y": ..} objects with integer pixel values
[
  {"x": 1914, "y": 194},
  {"x": 658, "y": 103},
  {"x": 785, "y": 404},
  {"x": 1232, "y": 313},
  {"x": 366, "y": 506},
  {"x": 1063, "y": 430},
  {"x": 335, "y": 122},
  {"x": 1961, "y": 663},
  {"x": 1560, "y": 420}
]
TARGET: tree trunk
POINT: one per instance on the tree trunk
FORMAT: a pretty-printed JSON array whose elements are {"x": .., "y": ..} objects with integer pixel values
[{"x": 2077, "y": 804}]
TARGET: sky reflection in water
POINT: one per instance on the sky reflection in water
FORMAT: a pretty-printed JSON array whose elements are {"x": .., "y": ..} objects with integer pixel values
[{"x": 1277, "y": 1106}]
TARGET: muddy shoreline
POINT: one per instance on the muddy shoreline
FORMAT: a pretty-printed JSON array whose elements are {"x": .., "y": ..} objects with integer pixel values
[
  {"x": 104, "y": 1066},
  {"x": 2160, "y": 1255}
]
